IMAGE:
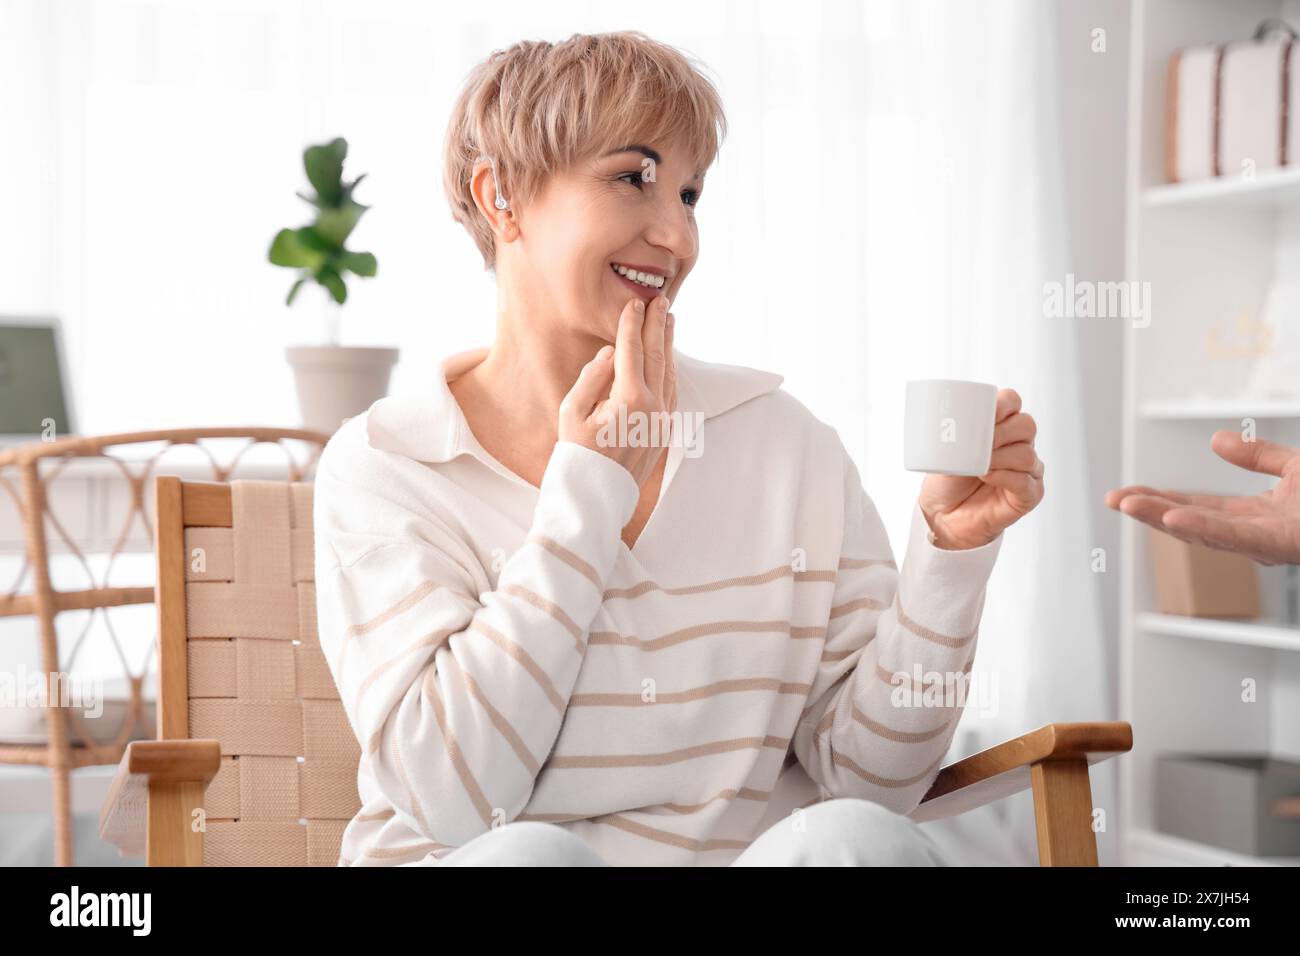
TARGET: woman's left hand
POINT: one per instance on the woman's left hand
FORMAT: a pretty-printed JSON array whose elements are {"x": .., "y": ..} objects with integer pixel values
[{"x": 970, "y": 512}]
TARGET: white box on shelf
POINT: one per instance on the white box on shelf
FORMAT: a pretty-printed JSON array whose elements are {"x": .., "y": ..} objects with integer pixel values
[
  {"x": 1193, "y": 98},
  {"x": 1253, "y": 89},
  {"x": 1292, "y": 81}
]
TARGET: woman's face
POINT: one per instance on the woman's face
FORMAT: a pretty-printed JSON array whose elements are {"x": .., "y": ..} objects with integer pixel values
[{"x": 631, "y": 209}]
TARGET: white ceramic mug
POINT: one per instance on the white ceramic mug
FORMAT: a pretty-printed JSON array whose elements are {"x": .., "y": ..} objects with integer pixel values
[{"x": 948, "y": 426}]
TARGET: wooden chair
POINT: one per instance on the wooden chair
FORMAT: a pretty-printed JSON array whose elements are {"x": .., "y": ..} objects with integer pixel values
[
  {"x": 27, "y": 474},
  {"x": 252, "y": 734}
]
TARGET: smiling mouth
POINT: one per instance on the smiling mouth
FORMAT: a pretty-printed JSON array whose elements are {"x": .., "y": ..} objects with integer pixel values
[{"x": 647, "y": 281}]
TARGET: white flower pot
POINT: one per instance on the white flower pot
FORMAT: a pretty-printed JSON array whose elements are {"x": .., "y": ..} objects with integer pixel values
[{"x": 337, "y": 382}]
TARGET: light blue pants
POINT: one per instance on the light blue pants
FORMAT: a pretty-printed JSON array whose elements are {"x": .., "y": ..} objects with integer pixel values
[{"x": 839, "y": 832}]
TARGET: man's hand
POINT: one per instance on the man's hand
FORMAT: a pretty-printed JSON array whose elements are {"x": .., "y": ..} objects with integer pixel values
[
  {"x": 971, "y": 512},
  {"x": 1265, "y": 527}
]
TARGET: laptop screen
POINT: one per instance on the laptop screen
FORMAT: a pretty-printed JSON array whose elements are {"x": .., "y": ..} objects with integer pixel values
[{"x": 32, "y": 398}]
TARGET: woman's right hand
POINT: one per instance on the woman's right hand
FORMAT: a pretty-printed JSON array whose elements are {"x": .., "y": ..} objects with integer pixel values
[{"x": 644, "y": 381}]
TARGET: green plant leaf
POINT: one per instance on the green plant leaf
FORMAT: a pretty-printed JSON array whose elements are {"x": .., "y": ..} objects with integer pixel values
[
  {"x": 324, "y": 165},
  {"x": 331, "y": 280},
  {"x": 288, "y": 250},
  {"x": 293, "y": 291},
  {"x": 335, "y": 225},
  {"x": 319, "y": 249},
  {"x": 349, "y": 187},
  {"x": 310, "y": 238},
  {"x": 362, "y": 263}
]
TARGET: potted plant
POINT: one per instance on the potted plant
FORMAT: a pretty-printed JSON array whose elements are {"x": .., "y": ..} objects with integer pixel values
[{"x": 335, "y": 382}]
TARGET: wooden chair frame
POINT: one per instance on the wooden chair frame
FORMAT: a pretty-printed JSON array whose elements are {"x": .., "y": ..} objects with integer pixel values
[
  {"x": 62, "y": 753},
  {"x": 160, "y": 782}
]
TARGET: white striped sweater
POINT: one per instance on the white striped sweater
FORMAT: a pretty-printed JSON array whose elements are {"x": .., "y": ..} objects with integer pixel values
[{"x": 503, "y": 655}]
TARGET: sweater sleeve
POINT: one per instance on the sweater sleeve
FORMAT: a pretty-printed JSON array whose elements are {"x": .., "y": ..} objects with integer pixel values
[
  {"x": 457, "y": 698},
  {"x": 890, "y": 686}
]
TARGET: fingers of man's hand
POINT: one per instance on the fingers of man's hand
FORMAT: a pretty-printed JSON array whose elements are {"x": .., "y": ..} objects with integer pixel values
[
  {"x": 629, "y": 359},
  {"x": 1148, "y": 508},
  {"x": 1265, "y": 457},
  {"x": 1246, "y": 505},
  {"x": 1008, "y": 403},
  {"x": 1115, "y": 497}
]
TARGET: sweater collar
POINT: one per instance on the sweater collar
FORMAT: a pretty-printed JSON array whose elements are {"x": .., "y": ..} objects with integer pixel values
[{"x": 428, "y": 424}]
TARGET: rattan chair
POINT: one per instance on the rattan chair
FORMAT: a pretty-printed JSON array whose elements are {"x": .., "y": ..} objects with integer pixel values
[
  {"x": 253, "y": 737},
  {"x": 27, "y": 473}
]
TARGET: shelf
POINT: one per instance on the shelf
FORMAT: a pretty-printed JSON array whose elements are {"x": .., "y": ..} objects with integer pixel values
[
  {"x": 1279, "y": 187},
  {"x": 1212, "y": 409},
  {"x": 1256, "y": 634},
  {"x": 1214, "y": 246},
  {"x": 1171, "y": 850}
]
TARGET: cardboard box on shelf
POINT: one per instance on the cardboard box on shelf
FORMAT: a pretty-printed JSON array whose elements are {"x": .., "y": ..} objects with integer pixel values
[{"x": 1197, "y": 581}]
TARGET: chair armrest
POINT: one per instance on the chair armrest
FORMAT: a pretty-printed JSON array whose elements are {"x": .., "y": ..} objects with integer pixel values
[
  {"x": 145, "y": 766},
  {"x": 1003, "y": 770}
]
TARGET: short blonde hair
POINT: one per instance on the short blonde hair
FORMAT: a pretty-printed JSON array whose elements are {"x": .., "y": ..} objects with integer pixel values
[{"x": 538, "y": 107}]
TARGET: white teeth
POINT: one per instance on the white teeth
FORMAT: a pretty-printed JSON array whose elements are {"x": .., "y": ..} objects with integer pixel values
[{"x": 642, "y": 278}]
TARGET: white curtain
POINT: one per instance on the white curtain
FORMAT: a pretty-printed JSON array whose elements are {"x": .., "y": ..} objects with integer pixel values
[{"x": 888, "y": 206}]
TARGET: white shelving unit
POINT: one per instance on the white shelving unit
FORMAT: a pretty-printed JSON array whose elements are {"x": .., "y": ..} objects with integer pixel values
[
  {"x": 1161, "y": 849},
  {"x": 1262, "y": 633},
  {"x": 1275, "y": 187},
  {"x": 1224, "y": 412},
  {"x": 1209, "y": 250}
]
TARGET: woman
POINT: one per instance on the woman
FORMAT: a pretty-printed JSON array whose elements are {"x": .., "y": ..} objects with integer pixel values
[{"x": 560, "y": 642}]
